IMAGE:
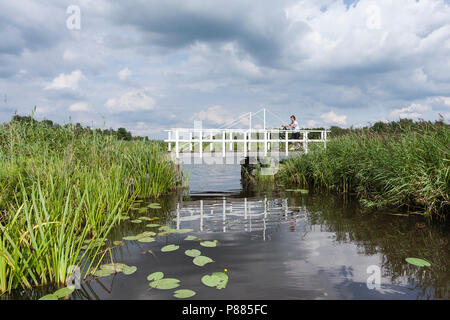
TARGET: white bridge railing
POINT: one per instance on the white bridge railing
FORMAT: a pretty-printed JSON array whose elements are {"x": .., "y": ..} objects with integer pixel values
[{"x": 239, "y": 140}]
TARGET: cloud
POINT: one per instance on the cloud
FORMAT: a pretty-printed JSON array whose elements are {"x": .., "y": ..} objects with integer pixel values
[
  {"x": 333, "y": 118},
  {"x": 133, "y": 100},
  {"x": 215, "y": 114},
  {"x": 124, "y": 74},
  {"x": 69, "y": 81},
  {"x": 79, "y": 106},
  {"x": 415, "y": 110}
]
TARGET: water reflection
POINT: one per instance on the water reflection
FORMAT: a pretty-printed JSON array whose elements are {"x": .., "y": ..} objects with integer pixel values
[
  {"x": 304, "y": 247},
  {"x": 278, "y": 245}
]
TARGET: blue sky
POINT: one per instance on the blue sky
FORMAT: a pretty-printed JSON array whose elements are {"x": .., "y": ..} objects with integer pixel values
[{"x": 151, "y": 65}]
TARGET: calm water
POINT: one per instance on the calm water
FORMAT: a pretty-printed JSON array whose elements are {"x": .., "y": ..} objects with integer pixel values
[{"x": 276, "y": 245}]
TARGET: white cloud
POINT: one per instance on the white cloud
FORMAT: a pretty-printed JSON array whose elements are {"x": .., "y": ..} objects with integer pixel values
[
  {"x": 216, "y": 114},
  {"x": 124, "y": 74},
  {"x": 79, "y": 106},
  {"x": 332, "y": 117},
  {"x": 69, "y": 81},
  {"x": 311, "y": 123},
  {"x": 133, "y": 100},
  {"x": 415, "y": 110}
]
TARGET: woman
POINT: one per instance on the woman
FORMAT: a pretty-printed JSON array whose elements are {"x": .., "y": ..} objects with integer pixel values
[{"x": 296, "y": 131}]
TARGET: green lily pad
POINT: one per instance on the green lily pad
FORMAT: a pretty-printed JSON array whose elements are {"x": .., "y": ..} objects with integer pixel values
[
  {"x": 190, "y": 238},
  {"x": 144, "y": 210},
  {"x": 117, "y": 243},
  {"x": 216, "y": 279},
  {"x": 202, "y": 260},
  {"x": 165, "y": 284},
  {"x": 154, "y": 206},
  {"x": 209, "y": 244},
  {"x": 61, "y": 293},
  {"x": 130, "y": 238},
  {"x": 184, "y": 293},
  {"x": 116, "y": 267},
  {"x": 136, "y": 221},
  {"x": 129, "y": 270},
  {"x": 192, "y": 253},
  {"x": 152, "y": 225},
  {"x": 155, "y": 276},
  {"x": 170, "y": 247},
  {"x": 418, "y": 262},
  {"x": 303, "y": 191},
  {"x": 49, "y": 297},
  {"x": 124, "y": 217},
  {"x": 183, "y": 230},
  {"x": 146, "y": 239},
  {"x": 103, "y": 273}
]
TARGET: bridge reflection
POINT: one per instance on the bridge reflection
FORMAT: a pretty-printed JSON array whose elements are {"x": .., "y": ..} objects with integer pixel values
[{"x": 230, "y": 215}]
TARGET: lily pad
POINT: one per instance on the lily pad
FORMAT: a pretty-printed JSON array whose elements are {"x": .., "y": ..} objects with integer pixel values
[
  {"x": 49, "y": 297},
  {"x": 61, "y": 293},
  {"x": 155, "y": 276},
  {"x": 130, "y": 238},
  {"x": 146, "y": 239},
  {"x": 144, "y": 210},
  {"x": 116, "y": 267},
  {"x": 117, "y": 243},
  {"x": 418, "y": 262},
  {"x": 303, "y": 191},
  {"x": 216, "y": 279},
  {"x": 190, "y": 238},
  {"x": 184, "y": 293},
  {"x": 209, "y": 244},
  {"x": 165, "y": 284},
  {"x": 192, "y": 253},
  {"x": 103, "y": 273},
  {"x": 170, "y": 247},
  {"x": 129, "y": 270},
  {"x": 202, "y": 260},
  {"x": 136, "y": 221},
  {"x": 162, "y": 234},
  {"x": 154, "y": 206},
  {"x": 183, "y": 230},
  {"x": 152, "y": 225}
]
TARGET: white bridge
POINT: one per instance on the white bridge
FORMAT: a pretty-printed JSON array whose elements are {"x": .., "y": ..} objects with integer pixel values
[{"x": 226, "y": 142}]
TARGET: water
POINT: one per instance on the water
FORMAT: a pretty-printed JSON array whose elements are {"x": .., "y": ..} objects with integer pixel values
[{"x": 277, "y": 245}]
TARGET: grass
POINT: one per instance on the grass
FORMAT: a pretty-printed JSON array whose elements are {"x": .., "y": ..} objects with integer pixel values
[
  {"x": 62, "y": 189},
  {"x": 404, "y": 166}
]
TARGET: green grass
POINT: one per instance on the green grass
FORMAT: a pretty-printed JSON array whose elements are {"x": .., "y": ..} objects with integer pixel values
[
  {"x": 59, "y": 188},
  {"x": 406, "y": 168}
]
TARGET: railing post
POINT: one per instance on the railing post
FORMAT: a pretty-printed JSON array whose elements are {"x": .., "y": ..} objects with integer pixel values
[
  {"x": 245, "y": 144},
  {"x": 177, "y": 151},
  {"x": 249, "y": 139},
  {"x": 287, "y": 143},
  {"x": 305, "y": 141},
  {"x": 231, "y": 141},
  {"x": 211, "y": 143},
  {"x": 191, "y": 147},
  {"x": 223, "y": 144},
  {"x": 170, "y": 143},
  {"x": 265, "y": 143},
  {"x": 325, "y": 139},
  {"x": 201, "y": 143}
]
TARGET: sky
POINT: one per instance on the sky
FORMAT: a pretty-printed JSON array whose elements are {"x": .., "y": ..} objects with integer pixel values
[{"x": 154, "y": 65}]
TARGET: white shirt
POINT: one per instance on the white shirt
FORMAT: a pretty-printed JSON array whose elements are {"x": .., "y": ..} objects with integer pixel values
[{"x": 297, "y": 128}]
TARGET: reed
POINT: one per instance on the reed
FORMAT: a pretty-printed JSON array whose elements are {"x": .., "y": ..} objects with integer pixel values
[
  {"x": 61, "y": 191},
  {"x": 407, "y": 168}
]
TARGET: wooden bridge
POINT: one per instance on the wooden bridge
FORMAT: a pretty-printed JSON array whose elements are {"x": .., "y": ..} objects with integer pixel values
[{"x": 228, "y": 142}]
